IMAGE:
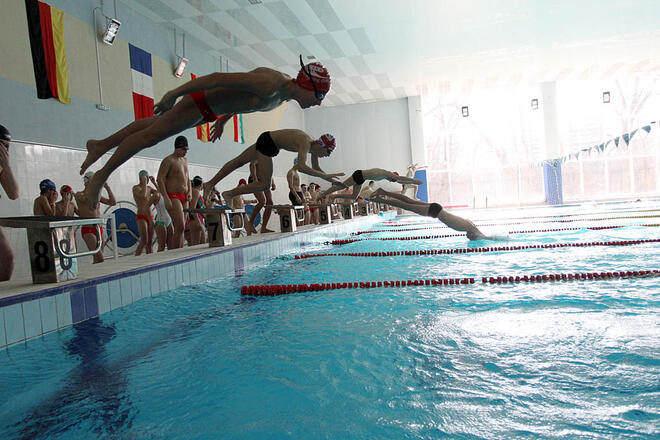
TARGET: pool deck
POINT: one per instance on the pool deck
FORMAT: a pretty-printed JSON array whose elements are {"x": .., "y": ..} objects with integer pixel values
[{"x": 30, "y": 310}]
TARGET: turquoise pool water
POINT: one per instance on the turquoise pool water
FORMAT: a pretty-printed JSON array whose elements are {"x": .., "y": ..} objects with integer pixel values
[{"x": 574, "y": 359}]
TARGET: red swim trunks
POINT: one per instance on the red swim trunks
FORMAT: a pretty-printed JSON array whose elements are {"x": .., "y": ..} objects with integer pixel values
[
  {"x": 203, "y": 106},
  {"x": 90, "y": 230},
  {"x": 181, "y": 197},
  {"x": 143, "y": 217}
]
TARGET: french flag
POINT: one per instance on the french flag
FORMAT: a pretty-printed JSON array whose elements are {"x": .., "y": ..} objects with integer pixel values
[{"x": 143, "y": 84}]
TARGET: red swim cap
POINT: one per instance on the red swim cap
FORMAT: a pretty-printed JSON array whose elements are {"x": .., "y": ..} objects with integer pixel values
[
  {"x": 318, "y": 74},
  {"x": 327, "y": 141},
  {"x": 65, "y": 189},
  {"x": 242, "y": 182}
]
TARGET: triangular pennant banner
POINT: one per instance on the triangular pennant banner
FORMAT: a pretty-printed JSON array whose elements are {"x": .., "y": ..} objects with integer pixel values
[{"x": 647, "y": 128}]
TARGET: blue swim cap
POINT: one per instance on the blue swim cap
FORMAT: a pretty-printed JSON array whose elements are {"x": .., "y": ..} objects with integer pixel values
[{"x": 46, "y": 185}]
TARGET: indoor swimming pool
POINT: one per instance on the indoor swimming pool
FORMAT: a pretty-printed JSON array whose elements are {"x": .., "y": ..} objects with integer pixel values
[{"x": 479, "y": 359}]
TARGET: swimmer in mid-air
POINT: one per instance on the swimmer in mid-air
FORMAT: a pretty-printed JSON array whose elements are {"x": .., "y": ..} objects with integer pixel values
[
  {"x": 204, "y": 98},
  {"x": 360, "y": 176},
  {"x": 268, "y": 145},
  {"x": 433, "y": 210}
]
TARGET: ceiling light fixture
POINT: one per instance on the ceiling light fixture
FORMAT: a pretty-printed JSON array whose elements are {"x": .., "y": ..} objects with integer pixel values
[
  {"x": 112, "y": 27},
  {"x": 535, "y": 104},
  {"x": 465, "y": 111},
  {"x": 606, "y": 97},
  {"x": 182, "y": 61}
]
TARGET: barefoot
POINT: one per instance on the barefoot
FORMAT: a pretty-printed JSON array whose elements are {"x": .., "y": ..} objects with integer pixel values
[
  {"x": 94, "y": 152},
  {"x": 207, "y": 190},
  {"x": 379, "y": 192},
  {"x": 88, "y": 198},
  {"x": 227, "y": 198},
  {"x": 266, "y": 230}
]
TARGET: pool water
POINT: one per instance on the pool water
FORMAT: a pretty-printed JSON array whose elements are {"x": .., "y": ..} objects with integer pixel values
[{"x": 577, "y": 359}]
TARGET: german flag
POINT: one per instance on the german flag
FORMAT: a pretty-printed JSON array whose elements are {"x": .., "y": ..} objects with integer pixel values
[
  {"x": 48, "y": 52},
  {"x": 204, "y": 130}
]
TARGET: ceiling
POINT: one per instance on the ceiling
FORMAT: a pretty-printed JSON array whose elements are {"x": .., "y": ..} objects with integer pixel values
[{"x": 386, "y": 49}]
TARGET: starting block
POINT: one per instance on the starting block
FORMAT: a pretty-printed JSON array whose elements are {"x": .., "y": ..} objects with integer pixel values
[
  {"x": 287, "y": 213},
  {"x": 349, "y": 210},
  {"x": 325, "y": 212},
  {"x": 218, "y": 224},
  {"x": 366, "y": 208},
  {"x": 52, "y": 245}
]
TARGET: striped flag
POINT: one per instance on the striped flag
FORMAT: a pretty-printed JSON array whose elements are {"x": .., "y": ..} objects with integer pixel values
[
  {"x": 143, "y": 85},
  {"x": 238, "y": 128},
  {"x": 204, "y": 130},
  {"x": 46, "y": 33}
]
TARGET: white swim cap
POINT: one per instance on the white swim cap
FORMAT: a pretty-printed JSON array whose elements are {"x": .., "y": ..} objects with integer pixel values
[{"x": 88, "y": 175}]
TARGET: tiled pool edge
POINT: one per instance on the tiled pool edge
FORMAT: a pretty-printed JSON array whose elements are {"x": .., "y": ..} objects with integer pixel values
[{"x": 30, "y": 315}]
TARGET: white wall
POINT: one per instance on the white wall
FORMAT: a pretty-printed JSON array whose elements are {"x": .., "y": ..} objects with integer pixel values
[{"x": 374, "y": 135}]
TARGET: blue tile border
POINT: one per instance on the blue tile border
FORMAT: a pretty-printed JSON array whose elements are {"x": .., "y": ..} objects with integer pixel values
[
  {"x": 78, "y": 305},
  {"x": 91, "y": 302},
  {"x": 60, "y": 306}
]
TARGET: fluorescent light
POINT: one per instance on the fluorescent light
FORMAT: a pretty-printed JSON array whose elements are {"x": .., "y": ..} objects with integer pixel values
[
  {"x": 606, "y": 97},
  {"x": 465, "y": 112},
  {"x": 183, "y": 62},
  {"x": 111, "y": 31},
  {"x": 535, "y": 104}
]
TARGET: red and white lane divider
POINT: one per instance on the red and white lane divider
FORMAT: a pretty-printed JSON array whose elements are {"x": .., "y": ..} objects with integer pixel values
[
  {"x": 426, "y": 237},
  {"x": 615, "y": 211},
  {"x": 284, "y": 289},
  {"x": 506, "y": 224},
  {"x": 479, "y": 249}
]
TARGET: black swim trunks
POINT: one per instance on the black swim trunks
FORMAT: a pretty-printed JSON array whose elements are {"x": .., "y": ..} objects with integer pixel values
[
  {"x": 358, "y": 177},
  {"x": 434, "y": 210},
  {"x": 266, "y": 146},
  {"x": 295, "y": 202},
  {"x": 250, "y": 179}
]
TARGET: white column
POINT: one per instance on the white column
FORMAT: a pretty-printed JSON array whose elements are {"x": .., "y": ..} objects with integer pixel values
[
  {"x": 417, "y": 150},
  {"x": 549, "y": 96}
]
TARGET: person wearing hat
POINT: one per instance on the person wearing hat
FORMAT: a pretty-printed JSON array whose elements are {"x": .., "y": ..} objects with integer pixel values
[
  {"x": 268, "y": 145},
  {"x": 210, "y": 98},
  {"x": 10, "y": 186},
  {"x": 357, "y": 179},
  {"x": 433, "y": 210},
  {"x": 66, "y": 207},
  {"x": 175, "y": 189},
  {"x": 44, "y": 205},
  {"x": 238, "y": 220},
  {"x": 89, "y": 232},
  {"x": 145, "y": 197},
  {"x": 195, "y": 232}
]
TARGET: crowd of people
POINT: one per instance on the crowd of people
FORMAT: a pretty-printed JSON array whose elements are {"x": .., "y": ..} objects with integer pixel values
[{"x": 172, "y": 193}]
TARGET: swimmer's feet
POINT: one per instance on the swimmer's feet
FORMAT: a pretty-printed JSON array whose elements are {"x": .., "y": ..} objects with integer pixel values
[
  {"x": 88, "y": 197},
  {"x": 378, "y": 193},
  {"x": 207, "y": 190},
  {"x": 226, "y": 197},
  {"x": 94, "y": 152},
  {"x": 266, "y": 230}
]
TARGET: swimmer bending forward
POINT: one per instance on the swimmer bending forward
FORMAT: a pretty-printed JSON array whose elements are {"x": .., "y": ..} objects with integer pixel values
[
  {"x": 433, "y": 210},
  {"x": 268, "y": 145},
  {"x": 204, "y": 98}
]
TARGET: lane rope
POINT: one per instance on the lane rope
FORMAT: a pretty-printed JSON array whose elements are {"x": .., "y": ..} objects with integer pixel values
[
  {"x": 479, "y": 249},
  {"x": 532, "y": 231},
  {"x": 619, "y": 211},
  {"x": 505, "y": 224},
  {"x": 285, "y": 289}
]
